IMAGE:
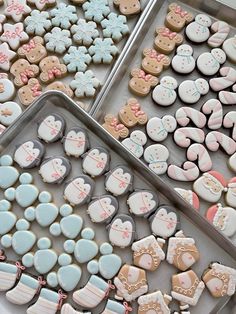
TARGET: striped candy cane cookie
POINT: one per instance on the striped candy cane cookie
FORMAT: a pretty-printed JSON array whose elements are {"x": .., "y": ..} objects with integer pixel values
[
  {"x": 189, "y": 172},
  {"x": 228, "y": 78},
  {"x": 199, "y": 152},
  {"x": 221, "y": 30},
  {"x": 230, "y": 122},
  {"x": 227, "y": 98},
  {"x": 185, "y": 115},
  {"x": 213, "y": 108},
  {"x": 183, "y": 136},
  {"x": 216, "y": 139}
]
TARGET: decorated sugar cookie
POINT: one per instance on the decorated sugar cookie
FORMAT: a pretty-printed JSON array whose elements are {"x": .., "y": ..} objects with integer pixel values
[
  {"x": 67, "y": 308},
  {"x": 23, "y": 71},
  {"x": 132, "y": 114},
  {"x": 75, "y": 142},
  {"x": 141, "y": 83},
  {"x": 135, "y": 143},
  {"x": 154, "y": 301},
  {"x": 232, "y": 162},
  {"x": 79, "y": 190},
  {"x": 114, "y": 306},
  {"x": 230, "y": 195},
  {"x": 142, "y": 202},
  {"x": 209, "y": 63},
  {"x": 229, "y": 48},
  {"x": 198, "y": 152},
  {"x": 198, "y": 30},
  {"x": 16, "y": 9},
  {"x": 103, "y": 208},
  {"x": 96, "y": 161},
  {"x": 183, "y": 62},
  {"x": 29, "y": 154},
  {"x": 220, "y": 280},
  {"x": 159, "y": 128},
  {"x": 165, "y": 221},
  {"x": 116, "y": 129},
  {"x": 189, "y": 196},
  {"x": 191, "y": 91},
  {"x": 8, "y": 173},
  {"x": 7, "y": 88},
  {"x": 7, "y": 217},
  {"x": 177, "y": 17},
  {"x": 51, "y": 128},
  {"x": 166, "y": 40},
  {"x": 121, "y": 231},
  {"x": 14, "y": 35},
  {"x": 119, "y": 180},
  {"x": 9, "y": 112},
  {"x": 164, "y": 94},
  {"x": 220, "y": 30},
  {"x": 128, "y": 7},
  {"x": 156, "y": 156},
  {"x": 148, "y": 252},
  {"x": 55, "y": 169},
  {"x": 154, "y": 62}
]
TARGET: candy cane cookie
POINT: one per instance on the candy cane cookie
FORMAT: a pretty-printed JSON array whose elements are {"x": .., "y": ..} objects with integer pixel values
[
  {"x": 216, "y": 139},
  {"x": 185, "y": 115},
  {"x": 199, "y": 152},
  {"x": 221, "y": 30},
  {"x": 183, "y": 136},
  {"x": 213, "y": 108},
  {"x": 227, "y": 98},
  {"x": 189, "y": 172},
  {"x": 228, "y": 78},
  {"x": 230, "y": 122}
]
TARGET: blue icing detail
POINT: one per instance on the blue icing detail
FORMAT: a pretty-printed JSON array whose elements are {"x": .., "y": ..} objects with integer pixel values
[
  {"x": 109, "y": 265},
  {"x": 44, "y": 260},
  {"x": 46, "y": 213},
  {"x": 69, "y": 277},
  {"x": 66, "y": 210},
  {"x": 29, "y": 281},
  {"x": 23, "y": 241},
  {"x": 6, "y": 160},
  {"x": 10, "y": 194},
  {"x": 52, "y": 279},
  {"x": 26, "y": 178},
  {"x": 26, "y": 194},
  {"x": 55, "y": 229},
  {"x": 22, "y": 224},
  {"x": 98, "y": 282},
  {"x": 92, "y": 267},
  {"x": 85, "y": 250},
  {"x": 49, "y": 295},
  {"x": 96, "y": 10},
  {"x": 7, "y": 222},
  {"x": 115, "y": 26},
  {"x": 45, "y": 197},
  {"x": 4, "y": 205},
  {"x": 64, "y": 259},
  {"x": 71, "y": 226},
  {"x": 8, "y": 174},
  {"x": 29, "y": 213},
  {"x": 69, "y": 246},
  {"x": 115, "y": 307},
  {"x": 8, "y": 268},
  {"x": 106, "y": 248}
]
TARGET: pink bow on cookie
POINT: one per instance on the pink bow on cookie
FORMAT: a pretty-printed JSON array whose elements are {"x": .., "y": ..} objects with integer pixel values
[
  {"x": 53, "y": 72},
  {"x": 167, "y": 33},
  {"x": 181, "y": 12},
  {"x": 143, "y": 76},
  {"x": 154, "y": 55},
  {"x": 61, "y": 298},
  {"x": 36, "y": 90},
  {"x": 31, "y": 45},
  {"x": 135, "y": 108},
  {"x": 26, "y": 75},
  {"x": 116, "y": 126}
]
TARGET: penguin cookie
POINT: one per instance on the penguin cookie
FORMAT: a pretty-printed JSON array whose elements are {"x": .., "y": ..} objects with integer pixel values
[
  {"x": 51, "y": 128},
  {"x": 55, "y": 169}
]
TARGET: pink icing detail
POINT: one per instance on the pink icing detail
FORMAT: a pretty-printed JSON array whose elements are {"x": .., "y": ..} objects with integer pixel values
[
  {"x": 127, "y": 308},
  {"x": 3, "y": 58},
  {"x": 228, "y": 78},
  {"x": 167, "y": 33},
  {"x": 110, "y": 287},
  {"x": 221, "y": 30},
  {"x": 227, "y": 98},
  {"x": 154, "y": 55},
  {"x": 182, "y": 136},
  {"x": 190, "y": 172},
  {"x": 115, "y": 125},
  {"x": 62, "y": 296},
  {"x": 230, "y": 122},
  {"x": 184, "y": 114},
  {"x": 36, "y": 90},
  {"x": 13, "y": 35},
  {"x": 26, "y": 75},
  {"x": 20, "y": 268},
  {"x": 216, "y": 139},
  {"x": 54, "y": 72},
  {"x": 200, "y": 153},
  {"x": 42, "y": 283},
  {"x": 2, "y": 256},
  {"x": 28, "y": 47},
  {"x": 181, "y": 12},
  {"x": 213, "y": 107},
  {"x": 136, "y": 109},
  {"x": 144, "y": 76},
  {"x": 14, "y": 6}
]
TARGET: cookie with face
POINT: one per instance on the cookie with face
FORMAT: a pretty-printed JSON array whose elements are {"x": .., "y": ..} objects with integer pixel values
[
  {"x": 143, "y": 203},
  {"x": 55, "y": 169},
  {"x": 79, "y": 190},
  {"x": 29, "y": 154},
  {"x": 51, "y": 128},
  {"x": 75, "y": 142},
  {"x": 119, "y": 180},
  {"x": 165, "y": 221},
  {"x": 103, "y": 209},
  {"x": 121, "y": 231},
  {"x": 96, "y": 161}
]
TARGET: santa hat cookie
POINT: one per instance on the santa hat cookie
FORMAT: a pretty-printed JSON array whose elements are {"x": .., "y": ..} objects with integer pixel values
[
  {"x": 190, "y": 197},
  {"x": 230, "y": 196},
  {"x": 210, "y": 186},
  {"x": 154, "y": 302}
]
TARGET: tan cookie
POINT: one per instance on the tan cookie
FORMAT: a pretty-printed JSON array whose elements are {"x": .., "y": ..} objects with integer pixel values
[
  {"x": 132, "y": 114},
  {"x": 166, "y": 41},
  {"x": 34, "y": 51},
  {"x": 51, "y": 68},
  {"x": 59, "y": 86},
  {"x": 182, "y": 251},
  {"x": 28, "y": 93},
  {"x": 116, "y": 129},
  {"x": 154, "y": 302},
  {"x": 154, "y": 62},
  {"x": 177, "y": 18},
  {"x": 78, "y": 2},
  {"x": 220, "y": 280},
  {"x": 23, "y": 71},
  {"x": 128, "y": 7},
  {"x": 141, "y": 83}
]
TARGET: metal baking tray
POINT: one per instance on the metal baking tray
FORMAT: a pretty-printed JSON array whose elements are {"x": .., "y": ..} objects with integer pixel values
[
  {"x": 116, "y": 91},
  {"x": 212, "y": 246}
]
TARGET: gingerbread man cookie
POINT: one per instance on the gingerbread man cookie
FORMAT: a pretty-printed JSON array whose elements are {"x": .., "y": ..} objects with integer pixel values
[
  {"x": 28, "y": 93},
  {"x": 23, "y": 71},
  {"x": 51, "y": 68}
]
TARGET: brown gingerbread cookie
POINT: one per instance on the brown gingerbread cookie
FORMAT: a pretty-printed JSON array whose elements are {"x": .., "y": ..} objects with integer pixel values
[
  {"x": 154, "y": 62},
  {"x": 177, "y": 18},
  {"x": 28, "y": 93},
  {"x": 154, "y": 302},
  {"x": 23, "y": 71},
  {"x": 141, "y": 83},
  {"x": 51, "y": 68},
  {"x": 62, "y": 87},
  {"x": 166, "y": 40},
  {"x": 78, "y": 2},
  {"x": 116, "y": 129},
  {"x": 128, "y": 7},
  {"x": 34, "y": 51},
  {"x": 132, "y": 114},
  {"x": 220, "y": 280}
]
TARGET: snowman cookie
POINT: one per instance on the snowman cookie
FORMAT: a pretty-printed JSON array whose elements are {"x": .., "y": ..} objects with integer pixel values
[
  {"x": 79, "y": 190},
  {"x": 142, "y": 203},
  {"x": 121, "y": 231},
  {"x": 191, "y": 91},
  {"x": 7, "y": 88},
  {"x": 119, "y": 180},
  {"x": 29, "y": 154},
  {"x": 159, "y": 128},
  {"x": 183, "y": 62},
  {"x": 51, "y": 128},
  {"x": 156, "y": 156},
  {"x": 165, "y": 221},
  {"x": 55, "y": 169},
  {"x": 209, "y": 63},
  {"x": 96, "y": 161},
  {"x": 75, "y": 142},
  {"x": 198, "y": 31},
  {"x": 103, "y": 208},
  {"x": 164, "y": 94},
  {"x": 135, "y": 143}
]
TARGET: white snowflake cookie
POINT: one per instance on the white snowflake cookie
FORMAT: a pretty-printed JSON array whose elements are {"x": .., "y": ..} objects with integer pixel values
[
  {"x": 77, "y": 59},
  {"x": 115, "y": 26},
  {"x": 64, "y": 15},
  {"x": 84, "y": 32},
  {"x": 85, "y": 84},
  {"x": 96, "y": 10},
  {"x": 58, "y": 40},
  {"x": 37, "y": 23},
  {"x": 103, "y": 50}
]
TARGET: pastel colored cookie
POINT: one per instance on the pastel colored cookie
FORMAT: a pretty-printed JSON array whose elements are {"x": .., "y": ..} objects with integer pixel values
[
  {"x": 188, "y": 172},
  {"x": 228, "y": 98},
  {"x": 55, "y": 169},
  {"x": 28, "y": 93},
  {"x": 198, "y": 31},
  {"x": 177, "y": 17},
  {"x": 58, "y": 40},
  {"x": 33, "y": 50},
  {"x": 117, "y": 130},
  {"x": 191, "y": 91},
  {"x": 154, "y": 62},
  {"x": 7, "y": 218},
  {"x": 198, "y": 152},
  {"x": 96, "y": 161},
  {"x": 77, "y": 59},
  {"x": 103, "y": 208},
  {"x": 156, "y": 156},
  {"x": 37, "y": 23},
  {"x": 215, "y": 140},
  {"x": 209, "y": 63},
  {"x": 64, "y": 15},
  {"x": 8, "y": 173},
  {"x": 29, "y": 154},
  {"x": 16, "y": 9},
  {"x": 186, "y": 115},
  {"x": 135, "y": 143},
  {"x": 141, "y": 83},
  {"x": 230, "y": 49},
  {"x": 51, "y": 68},
  {"x": 119, "y": 180},
  {"x": 85, "y": 84},
  {"x": 164, "y": 94},
  {"x": 9, "y": 112},
  {"x": 227, "y": 78},
  {"x": 183, "y": 62},
  {"x": 142, "y": 203},
  {"x": 115, "y": 26},
  {"x": 220, "y": 30},
  {"x": 51, "y": 128},
  {"x": 232, "y": 162},
  {"x": 189, "y": 196},
  {"x": 75, "y": 142},
  {"x": 184, "y": 136},
  {"x": 41, "y": 5},
  {"x": 132, "y": 114},
  {"x": 62, "y": 87},
  {"x": 166, "y": 40},
  {"x": 230, "y": 197},
  {"x": 214, "y": 110},
  {"x": 84, "y": 32},
  {"x": 159, "y": 128},
  {"x": 128, "y": 7},
  {"x": 7, "y": 55},
  {"x": 103, "y": 50},
  {"x": 96, "y": 10},
  {"x": 160, "y": 301},
  {"x": 23, "y": 71},
  {"x": 14, "y": 35},
  {"x": 7, "y": 88}
]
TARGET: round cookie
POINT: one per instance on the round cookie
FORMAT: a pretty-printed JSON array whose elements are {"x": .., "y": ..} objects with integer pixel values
[
  {"x": 135, "y": 143},
  {"x": 119, "y": 180},
  {"x": 9, "y": 112},
  {"x": 142, "y": 203},
  {"x": 183, "y": 62},
  {"x": 7, "y": 88},
  {"x": 51, "y": 128},
  {"x": 101, "y": 209}
]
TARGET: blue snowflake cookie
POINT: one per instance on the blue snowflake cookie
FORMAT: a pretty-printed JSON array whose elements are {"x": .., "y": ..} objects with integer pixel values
[
  {"x": 103, "y": 50},
  {"x": 115, "y": 26},
  {"x": 58, "y": 40},
  {"x": 77, "y": 59},
  {"x": 96, "y": 10},
  {"x": 84, "y": 32},
  {"x": 85, "y": 84},
  {"x": 64, "y": 15},
  {"x": 37, "y": 23}
]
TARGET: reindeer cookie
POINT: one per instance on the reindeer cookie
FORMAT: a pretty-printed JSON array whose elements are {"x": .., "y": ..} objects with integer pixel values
[
  {"x": 132, "y": 114},
  {"x": 116, "y": 129},
  {"x": 141, "y": 83},
  {"x": 23, "y": 71},
  {"x": 154, "y": 62},
  {"x": 177, "y": 18},
  {"x": 128, "y": 7},
  {"x": 28, "y": 93},
  {"x": 166, "y": 41},
  {"x": 34, "y": 51},
  {"x": 51, "y": 68}
]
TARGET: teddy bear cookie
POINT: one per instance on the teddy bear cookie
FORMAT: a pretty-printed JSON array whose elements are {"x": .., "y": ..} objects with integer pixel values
[
  {"x": 28, "y": 93},
  {"x": 23, "y": 71},
  {"x": 166, "y": 41},
  {"x": 34, "y": 50},
  {"x": 220, "y": 280},
  {"x": 198, "y": 31},
  {"x": 164, "y": 94},
  {"x": 116, "y": 129},
  {"x": 132, "y": 114},
  {"x": 183, "y": 62},
  {"x": 209, "y": 63},
  {"x": 61, "y": 87},
  {"x": 128, "y": 7},
  {"x": 51, "y": 68},
  {"x": 177, "y": 17},
  {"x": 153, "y": 62},
  {"x": 141, "y": 83},
  {"x": 155, "y": 302}
]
